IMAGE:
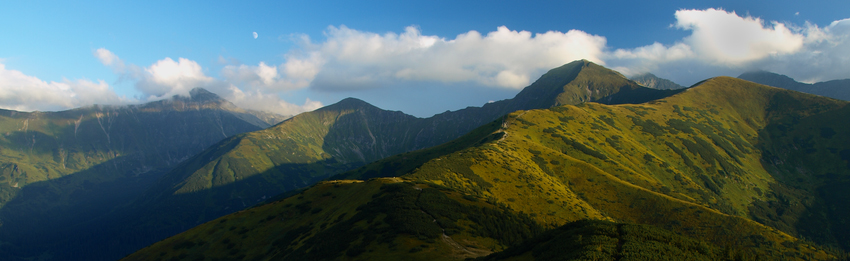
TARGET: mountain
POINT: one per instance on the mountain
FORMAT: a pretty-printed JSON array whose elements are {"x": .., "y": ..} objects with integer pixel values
[
  {"x": 246, "y": 169},
  {"x": 741, "y": 149},
  {"x": 350, "y": 219},
  {"x": 61, "y": 169},
  {"x": 727, "y": 165},
  {"x": 651, "y": 81},
  {"x": 269, "y": 118},
  {"x": 838, "y": 89}
]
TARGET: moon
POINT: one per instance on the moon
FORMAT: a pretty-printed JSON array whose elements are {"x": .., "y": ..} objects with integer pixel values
[{"x": 255, "y": 35}]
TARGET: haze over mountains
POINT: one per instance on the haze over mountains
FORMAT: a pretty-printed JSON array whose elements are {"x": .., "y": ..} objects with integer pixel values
[
  {"x": 726, "y": 169},
  {"x": 60, "y": 170}
]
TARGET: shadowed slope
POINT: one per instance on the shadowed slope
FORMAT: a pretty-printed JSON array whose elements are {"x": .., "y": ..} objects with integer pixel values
[
  {"x": 654, "y": 163},
  {"x": 61, "y": 169}
]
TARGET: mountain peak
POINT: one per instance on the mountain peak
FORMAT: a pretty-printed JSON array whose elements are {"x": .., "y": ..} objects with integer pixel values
[
  {"x": 199, "y": 94},
  {"x": 582, "y": 81},
  {"x": 651, "y": 81},
  {"x": 348, "y": 104},
  {"x": 772, "y": 79}
]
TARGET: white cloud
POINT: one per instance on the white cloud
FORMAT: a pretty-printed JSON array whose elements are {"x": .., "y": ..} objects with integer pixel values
[
  {"x": 163, "y": 79},
  {"x": 719, "y": 43},
  {"x": 106, "y": 57},
  {"x": 351, "y": 59},
  {"x": 250, "y": 87},
  {"x": 259, "y": 100},
  {"x": 167, "y": 78},
  {"x": 724, "y": 43},
  {"x": 725, "y": 38},
  {"x": 268, "y": 77},
  {"x": 22, "y": 92}
]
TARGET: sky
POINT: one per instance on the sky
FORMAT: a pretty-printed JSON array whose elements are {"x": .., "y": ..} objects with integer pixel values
[{"x": 419, "y": 57}]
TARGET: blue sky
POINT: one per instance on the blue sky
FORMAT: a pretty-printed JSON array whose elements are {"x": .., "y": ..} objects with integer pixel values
[{"x": 421, "y": 58}]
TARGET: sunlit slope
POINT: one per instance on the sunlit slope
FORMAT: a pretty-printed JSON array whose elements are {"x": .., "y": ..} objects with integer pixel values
[
  {"x": 690, "y": 166},
  {"x": 692, "y": 163},
  {"x": 250, "y": 168},
  {"x": 398, "y": 219},
  {"x": 380, "y": 219}
]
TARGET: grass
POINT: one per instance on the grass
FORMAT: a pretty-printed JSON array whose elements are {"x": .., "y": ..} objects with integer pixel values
[{"x": 714, "y": 169}]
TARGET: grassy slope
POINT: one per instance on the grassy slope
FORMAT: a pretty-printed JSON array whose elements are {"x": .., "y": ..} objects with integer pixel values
[
  {"x": 667, "y": 162},
  {"x": 246, "y": 169},
  {"x": 353, "y": 132},
  {"x": 380, "y": 219},
  {"x": 604, "y": 240},
  {"x": 690, "y": 163}
]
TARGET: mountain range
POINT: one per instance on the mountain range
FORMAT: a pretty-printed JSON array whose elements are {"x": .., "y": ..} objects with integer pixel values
[
  {"x": 247, "y": 169},
  {"x": 59, "y": 170},
  {"x": 583, "y": 159},
  {"x": 725, "y": 169},
  {"x": 838, "y": 89}
]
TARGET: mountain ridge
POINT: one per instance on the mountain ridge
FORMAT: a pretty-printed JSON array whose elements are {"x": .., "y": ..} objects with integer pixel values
[
  {"x": 837, "y": 89},
  {"x": 705, "y": 163},
  {"x": 61, "y": 169},
  {"x": 351, "y": 133},
  {"x": 651, "y": 81}
]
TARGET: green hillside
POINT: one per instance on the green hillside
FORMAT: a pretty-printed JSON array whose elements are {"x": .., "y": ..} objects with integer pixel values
[
  {"x": 251, "y": 168},
  {"x": 605, "y": 240},
  {"x": 380, "y": 219},
  {"x": 727, "y": 169},
  {"x": 738, "y": 148},
  {"x": 59, "y": 170}
]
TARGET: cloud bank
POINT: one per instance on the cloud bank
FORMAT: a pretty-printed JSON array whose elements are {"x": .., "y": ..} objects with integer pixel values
[
  {"x": 347, "y": 60},
  {"x": 719, "y": 43},
  {"x": 351, "y": 59},
  {"x": 724, "y": 42},
  {"x": 22, "y": 92},
  {"x": 249, "y": 87}
]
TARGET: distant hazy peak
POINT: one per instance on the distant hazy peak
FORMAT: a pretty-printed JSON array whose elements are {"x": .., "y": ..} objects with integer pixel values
[
  {"x": 199, "y": 94},
  {"x": 772, "y": 79},
  {"x": 649, "y": 80},
  {"x": 348, "y": 104}
]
